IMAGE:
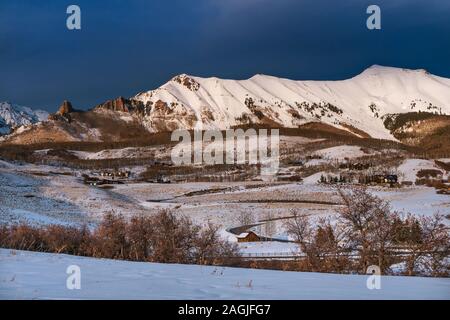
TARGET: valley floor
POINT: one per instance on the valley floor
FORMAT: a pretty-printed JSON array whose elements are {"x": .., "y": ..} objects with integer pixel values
[
  {"x": 29, "y": 275},
  {"x": 47, "y": 195}
]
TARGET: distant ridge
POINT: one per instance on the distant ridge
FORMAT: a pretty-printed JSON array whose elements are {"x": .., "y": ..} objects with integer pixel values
[{"x": 361, "y": 105}]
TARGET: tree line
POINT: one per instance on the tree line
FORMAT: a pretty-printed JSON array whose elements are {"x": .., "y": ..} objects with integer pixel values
[
  {"x": 368, "y": 232},
  {"x": 163, "y": 237}
]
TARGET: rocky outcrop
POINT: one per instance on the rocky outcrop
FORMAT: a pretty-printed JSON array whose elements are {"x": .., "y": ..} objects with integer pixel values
[
  {"x": 65, "y": 108},
  {"x": 187, "y": 81},
  {"x": 63, "y": 113},
  {"x": 122, "y": 104}
]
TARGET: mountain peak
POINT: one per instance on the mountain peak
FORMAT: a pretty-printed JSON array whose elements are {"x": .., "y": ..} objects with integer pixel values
[
  {"x": 224, "y": 103},
  {"x": 377, "y": 69},
  {"x": 378, "y": 66},
  {"x": 359, "y": 103},
  {"x": 66, "y": 107},
  {"x": 12, "y": 116},
  {"x": 187, "y": 81},
  {"x": 260, "y": 76}
]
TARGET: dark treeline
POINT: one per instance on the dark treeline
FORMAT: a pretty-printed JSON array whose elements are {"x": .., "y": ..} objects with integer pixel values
[
  {"x": 332, "y": 135},
  {"x": 92, "y": 146}
]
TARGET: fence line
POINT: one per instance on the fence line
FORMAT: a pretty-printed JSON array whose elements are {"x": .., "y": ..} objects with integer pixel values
[{"x": 301, "y": 255}]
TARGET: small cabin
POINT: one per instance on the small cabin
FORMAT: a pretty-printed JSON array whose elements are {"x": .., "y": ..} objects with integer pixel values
[
  {"x": 385, "y": 178},
  {"x": 114, "y": 174},
  {"x": 391, "y": 178},
  {"x": 248, "y": 237}
]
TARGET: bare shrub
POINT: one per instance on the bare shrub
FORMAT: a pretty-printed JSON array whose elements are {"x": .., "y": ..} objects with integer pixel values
[
  {"x": 329, "y": 248},
  {"x": 211, "y": 249},
  {"x": 321, "y": 244},
  {"x": 22, "y": 237},
  {"x": 111, "y": 237},
  {"x": 382, "y": 236},
  {"x": 427, "y": 242},
  {"x": 367, "y": 232},
  {"x": 63, "y": 239},
  {"x": 173, "y": 238},
  {"x": 140, "y": 232},
  {"x": 436, "y": 237},
  {"x": 163, "y": 237},
  {"x": 367, "y": 221}
]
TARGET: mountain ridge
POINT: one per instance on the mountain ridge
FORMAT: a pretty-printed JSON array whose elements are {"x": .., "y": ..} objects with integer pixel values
[
  {"x": 359, "y": 105},
  {"x": 13, "y": 116},
  {"x": 375, "y": 92}
]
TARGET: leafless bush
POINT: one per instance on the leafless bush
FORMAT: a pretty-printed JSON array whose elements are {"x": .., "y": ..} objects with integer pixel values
[
  {"x": 368, "y": 232},
  {"x": 427, "y": 242},
  {"x": 140, "y": 232},
  {"x": 210, "y": 249},
  {"x": 329, "y": 248},
  {"x": 160, "y": 238},
  {"x": 299, "y": 227},
  {"x": 367, "y": 222},
  {"x": 321, "y": 244},
  {"x": 382, "y": 236},
  {"x": 173, "y": 239},
  {"x": 62, "y": 239},
  {"x": 111, "y": 237}
]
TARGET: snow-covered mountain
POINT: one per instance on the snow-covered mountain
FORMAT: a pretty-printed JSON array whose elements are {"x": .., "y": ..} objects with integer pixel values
[
  {"x": 361, "y": 102},
  {"x": 14, "y": 116},
  {"x": 367, "y": 105}
]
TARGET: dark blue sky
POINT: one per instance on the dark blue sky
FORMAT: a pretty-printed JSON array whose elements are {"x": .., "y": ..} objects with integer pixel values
[{"x": 128, "y": 46}]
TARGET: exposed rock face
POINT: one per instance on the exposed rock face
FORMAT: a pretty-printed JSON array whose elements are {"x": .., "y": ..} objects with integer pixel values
[
  {"x": 63, "y": 113},
  {"x": 123, "y": 105},
  {"x": 168, "y": 118},
  {"x": 187, "y": 81},
  {"x": 65, "y": 108}
]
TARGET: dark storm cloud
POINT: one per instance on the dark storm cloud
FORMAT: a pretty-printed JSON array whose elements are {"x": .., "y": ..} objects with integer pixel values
[{"x": 129, "y": 46}]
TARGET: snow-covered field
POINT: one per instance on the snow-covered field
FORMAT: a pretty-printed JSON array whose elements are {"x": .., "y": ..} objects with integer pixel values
[
  {"x": 45, "y": 195},
  {"x": 417, "y": 200},
  {"x": 410, "y": 167},
  {"x": 341, "y": 152},
  {"x": 40, "y": 195},
  {"x": 28, "y": 275}
]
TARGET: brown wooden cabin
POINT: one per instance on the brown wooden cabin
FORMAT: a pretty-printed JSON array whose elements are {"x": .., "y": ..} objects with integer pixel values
[{"x": 248, "y": 237}]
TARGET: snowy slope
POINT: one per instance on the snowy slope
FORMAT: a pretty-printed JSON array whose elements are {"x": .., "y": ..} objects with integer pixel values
[
  {"x": 410, "y": 167},
  {"x": 12, "y": 116},
  {"x": 340, "y": 152},
  {"x": 27, "y": 275},
  {"x": 361, "y": 101}
]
